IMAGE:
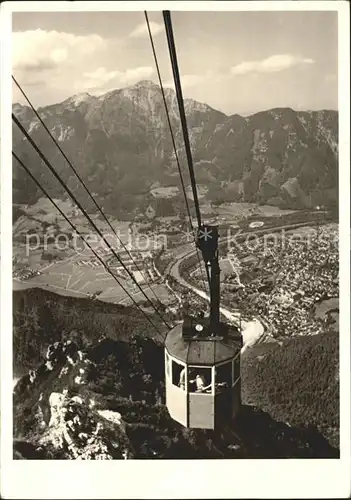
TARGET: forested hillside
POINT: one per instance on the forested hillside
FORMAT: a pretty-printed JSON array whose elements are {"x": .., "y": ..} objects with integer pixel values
[
  {"x": 290, "y": 392},
  {"x": 297, "y": 382},
  {"x": 42, "y": 318}
]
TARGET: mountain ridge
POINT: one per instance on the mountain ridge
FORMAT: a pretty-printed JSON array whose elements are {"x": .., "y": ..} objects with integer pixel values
[
  {"x": 120, "y": 143},
  {"x": 150, "y": 83}
]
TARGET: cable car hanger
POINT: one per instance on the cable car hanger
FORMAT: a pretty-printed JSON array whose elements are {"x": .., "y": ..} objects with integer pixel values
[{"x": 207, "y": 236}]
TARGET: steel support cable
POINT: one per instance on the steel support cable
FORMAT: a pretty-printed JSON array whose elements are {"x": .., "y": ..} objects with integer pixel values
[
  {"x": 85, "y": 241},
  {"x": 182, "y": 115},
  {"x": 176, "y": 77},
  {"x": 168, "y": 119},
  {"x": 86, "y": 215},
  {"x": 82, "y": 182},
  {"x": 174, "y": 147}
]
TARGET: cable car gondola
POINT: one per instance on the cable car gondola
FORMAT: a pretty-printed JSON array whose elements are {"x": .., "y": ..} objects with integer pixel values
[{"x": 202, "y": 358}]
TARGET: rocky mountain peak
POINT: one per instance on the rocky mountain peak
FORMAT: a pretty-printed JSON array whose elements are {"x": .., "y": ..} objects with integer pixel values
[
  {"x": 17, "y": 107},
  {"x": 79, "y": 98},
  {"x": 120, "y": 143},
  {"x": 146, "y": 84},
  {"x": 20, "y": 110}
]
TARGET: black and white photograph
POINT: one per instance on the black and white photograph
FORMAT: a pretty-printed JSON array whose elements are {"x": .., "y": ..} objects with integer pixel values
[{"x": 179, "y": 236}]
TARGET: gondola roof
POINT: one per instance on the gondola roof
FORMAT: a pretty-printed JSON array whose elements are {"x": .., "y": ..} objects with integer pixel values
[{"x": 202, "y": 349}]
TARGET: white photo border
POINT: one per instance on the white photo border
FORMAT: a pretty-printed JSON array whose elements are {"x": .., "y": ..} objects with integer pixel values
[{"x": 171, "y": 478}]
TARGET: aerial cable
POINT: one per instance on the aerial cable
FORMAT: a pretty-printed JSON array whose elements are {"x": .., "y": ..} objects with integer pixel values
[
  {"x": 34, "y": 145},
  {"x": 85, "y": 241},
  {"x": 173, "y": 143},
  {"x": 168, "y": 119},
  {"x": 175, "y": 69},
  {"x": 67, "y": 189},
  {"x": 83, "y": 183},
  {"x": 182, "y": 115}
]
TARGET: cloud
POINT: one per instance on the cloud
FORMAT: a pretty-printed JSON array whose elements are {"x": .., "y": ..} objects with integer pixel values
[
  {"x": 141, "y": 30},
  {"x": 98, "y": 78},
  {"x": 57, "y": 64},
  {"x": 331, "y": 78},
  {"x": 135, "y": 74},
  {"x": 272, "y": 64},
  {"x": 38, "y": 50},
  {"x": 191, "y": 80},
  {"x": 101, "y": 78}
]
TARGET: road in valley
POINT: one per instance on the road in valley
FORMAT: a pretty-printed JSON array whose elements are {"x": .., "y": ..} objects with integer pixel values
[{"x": 252, "y": 331}]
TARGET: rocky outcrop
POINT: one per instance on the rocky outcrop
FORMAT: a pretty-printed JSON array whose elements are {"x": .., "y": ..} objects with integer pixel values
[
  {"x": 292, "y": 188},
  {"x": 66, "y": 418},
  {"x": 83, "y": 433}
]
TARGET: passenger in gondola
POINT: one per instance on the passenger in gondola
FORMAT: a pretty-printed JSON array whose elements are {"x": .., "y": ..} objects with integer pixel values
[
  {"x": 200, "y": 383},
  {"x": 182, "y": 379}
]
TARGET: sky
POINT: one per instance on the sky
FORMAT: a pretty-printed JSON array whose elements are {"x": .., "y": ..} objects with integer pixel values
[{"x": 236, "y": 62}]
